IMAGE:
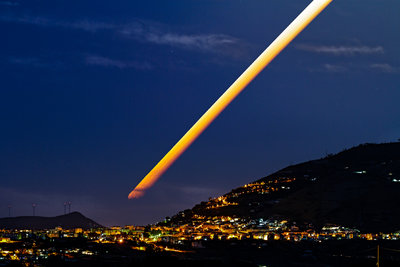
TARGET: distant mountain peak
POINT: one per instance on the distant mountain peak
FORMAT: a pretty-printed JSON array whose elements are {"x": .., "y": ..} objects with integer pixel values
[{"x": 68, "y": 221}]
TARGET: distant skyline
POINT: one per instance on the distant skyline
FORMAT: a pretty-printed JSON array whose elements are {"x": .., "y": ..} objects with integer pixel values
[{"x": 92, "y": 96}]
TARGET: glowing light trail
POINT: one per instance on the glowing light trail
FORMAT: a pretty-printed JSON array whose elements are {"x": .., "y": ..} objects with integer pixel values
[{"x": 308, "y": 14}]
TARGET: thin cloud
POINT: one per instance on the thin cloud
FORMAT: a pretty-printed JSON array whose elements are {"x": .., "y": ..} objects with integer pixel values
[
  {"x": 330, "y": 68},
  {"x": 148, "y": 32},
  {"x": 341, "y": 50},
  {"x": 37, "y": 21},
  {"x": 29, "y": 61},
  {"x": 383, "y": 67},
  {"x": 334, "y": 68},
  {"x": 90, "y": 26},
  {"x": 85, "y": 25},
  {"x": 112, "y": 63},
  {"x": 8, "y": 3},
  {"x": 200, "y": 42},
  {"x": 357, "y": 68},
  {"x": 137, "y": 31}
]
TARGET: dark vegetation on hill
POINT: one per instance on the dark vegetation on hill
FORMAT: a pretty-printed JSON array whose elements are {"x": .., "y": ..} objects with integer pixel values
[{"x": 357, "y": 188}]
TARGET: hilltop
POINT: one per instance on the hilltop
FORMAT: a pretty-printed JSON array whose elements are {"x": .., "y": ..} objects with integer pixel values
[
  {"x": 68, "y": 221},
  {"x": 357, "y": 188}
]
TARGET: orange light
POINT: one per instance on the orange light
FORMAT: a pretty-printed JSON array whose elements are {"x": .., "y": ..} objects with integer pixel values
[{"x": 308, "y": 14}]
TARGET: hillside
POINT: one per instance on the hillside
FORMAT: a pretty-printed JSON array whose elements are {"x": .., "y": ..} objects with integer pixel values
[
  {"x": 357, "y": 188},
  {"x": 68, "y": 221}
]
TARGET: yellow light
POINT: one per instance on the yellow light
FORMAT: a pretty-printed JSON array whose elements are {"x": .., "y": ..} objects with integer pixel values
[{"x": 311, "y": 11}]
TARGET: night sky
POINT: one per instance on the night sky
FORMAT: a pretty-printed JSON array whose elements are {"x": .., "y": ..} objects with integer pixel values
[{"x": 94, "y": 93}]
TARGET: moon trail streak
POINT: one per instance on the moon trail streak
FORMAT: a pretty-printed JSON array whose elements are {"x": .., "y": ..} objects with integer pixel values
[{"x": 305, "y": 17}]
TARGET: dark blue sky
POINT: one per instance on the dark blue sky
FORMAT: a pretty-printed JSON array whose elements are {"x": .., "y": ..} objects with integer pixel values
[{"x": 93, "y": 94}]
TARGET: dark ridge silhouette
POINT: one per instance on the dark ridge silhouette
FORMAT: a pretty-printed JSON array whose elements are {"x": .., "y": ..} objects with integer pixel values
[
  {"x": 357, "y": 188},
  {"x": 68, "y": 221}
]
